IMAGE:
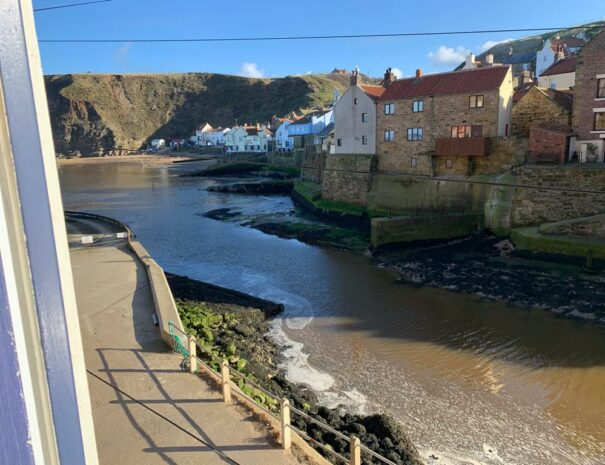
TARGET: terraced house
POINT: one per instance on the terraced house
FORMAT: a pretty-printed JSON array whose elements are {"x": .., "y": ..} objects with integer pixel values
[{"x": 437, "y": 123}]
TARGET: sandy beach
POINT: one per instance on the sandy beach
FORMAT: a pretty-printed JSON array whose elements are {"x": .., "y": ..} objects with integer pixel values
[{"x": 145, "y": 158}]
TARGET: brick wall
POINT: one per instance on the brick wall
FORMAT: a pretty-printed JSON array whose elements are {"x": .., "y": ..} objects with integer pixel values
[
  {"x": 347, "y": 178},
  {"x": 547, "y": 141},
  {"x": 537, "y": 206},
  {"x": 439, "y": 115},
  {"x": 536, "y": 109},
  {"x": 590, "y": 63}
]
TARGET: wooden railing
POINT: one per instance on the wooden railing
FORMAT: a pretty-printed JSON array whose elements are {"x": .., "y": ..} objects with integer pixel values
[{"x": 467, "y": 146}]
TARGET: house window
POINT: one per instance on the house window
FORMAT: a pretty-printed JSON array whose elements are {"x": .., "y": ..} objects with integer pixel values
[
  {"x": 413, "y": 162},
  {"x": 601, "y": 88},
  {"x": 389, "y": 135},
  {"x": 389, "y": 108},
  {"x": 459, "y": 132},
  {"x": 449, "y": 164},
  {"x": 354, "y": 101},
  {"x": 364, "y": 117},
  {"x": 415, "y": 134},
  {"x": 599, "y": 121},
  {"x": 418, "y": 106},
  {"x": 364, "y": 140},
  {"x": 339, "y": 142},
  {"x": 476, "y": 101}
]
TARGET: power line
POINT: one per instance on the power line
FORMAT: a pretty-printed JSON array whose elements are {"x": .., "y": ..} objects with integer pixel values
[
  {"x": 69, "y": 5},
  {"x": 310, "y": 37}
]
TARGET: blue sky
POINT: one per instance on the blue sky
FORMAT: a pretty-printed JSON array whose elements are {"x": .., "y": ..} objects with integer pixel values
[{"x": 123, "y": 19}]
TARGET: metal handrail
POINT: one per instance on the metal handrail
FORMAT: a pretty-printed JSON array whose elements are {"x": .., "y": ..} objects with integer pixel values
[
  {"x": 185, "y": 352},
  {"x": 320, "y": 423},
  {"x": 319, "y": 444},
  {"x": 367, "y": 450}
]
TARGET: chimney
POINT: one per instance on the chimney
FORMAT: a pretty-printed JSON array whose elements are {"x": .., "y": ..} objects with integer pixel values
[
  {"x": 526, "y": 78},
  {"x": 354, "y": 77},
  {"x": 489, "y": 59},
  {"x": 470, "y": 61},
  {"x": 560, "y": 54},
  {"x": 419, "y": 73},
  {"x": 389, "y": 77},
  {"x": 510, "y": 51}
]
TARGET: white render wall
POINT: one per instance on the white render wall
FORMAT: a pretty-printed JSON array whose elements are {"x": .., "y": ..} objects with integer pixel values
[
  {"x": 506, "y": 104},
  {"x": 558, "y": 81},
  {"x": 348, "y": 125}
]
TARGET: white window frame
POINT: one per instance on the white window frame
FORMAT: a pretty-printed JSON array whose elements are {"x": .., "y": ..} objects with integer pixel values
[
  {"x": 389, "y": 135},
  {"x": 389, "y": 108}
]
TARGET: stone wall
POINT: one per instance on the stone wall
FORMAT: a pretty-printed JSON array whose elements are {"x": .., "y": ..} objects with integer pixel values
[
  {"x": 347, "y": 178},
  {"x": 505, "y": 154},
  {"x": 592, "y": 226},
  {"x": 422, "y": 228},
  {"x": 535, "y": 206},
  {"x": 451, "y": 166},
  {"x": 312, "y": 167},
  {"x": 536, "y": 109}
]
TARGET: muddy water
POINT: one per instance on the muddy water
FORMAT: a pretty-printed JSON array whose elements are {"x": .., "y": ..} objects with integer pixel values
[{"x": 471, "y": 380}]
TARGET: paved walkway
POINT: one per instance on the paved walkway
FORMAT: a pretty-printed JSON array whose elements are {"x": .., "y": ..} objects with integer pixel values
[{"x": 160, "y": 414}]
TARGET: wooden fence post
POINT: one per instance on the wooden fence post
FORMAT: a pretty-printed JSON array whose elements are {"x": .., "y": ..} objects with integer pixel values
[
  {"x": 286, "y": 431},
  {"x": 192, "y": 355},
  {"x": 226, "y": 381},
  {"x": 355, "y": 451}
]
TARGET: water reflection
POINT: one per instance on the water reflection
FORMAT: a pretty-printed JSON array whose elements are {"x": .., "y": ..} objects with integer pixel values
[{"x": 471, "y": 380}]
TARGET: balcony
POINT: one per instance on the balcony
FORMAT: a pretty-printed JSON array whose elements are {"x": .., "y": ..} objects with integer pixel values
[{"x": 466, "y": 146}]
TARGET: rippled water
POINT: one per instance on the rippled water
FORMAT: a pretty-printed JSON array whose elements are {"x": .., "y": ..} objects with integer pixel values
[{"x": 472, "y": 381}]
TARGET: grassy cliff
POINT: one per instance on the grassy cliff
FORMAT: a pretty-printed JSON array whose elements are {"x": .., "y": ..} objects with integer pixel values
[{"x": 91, "y": 113}]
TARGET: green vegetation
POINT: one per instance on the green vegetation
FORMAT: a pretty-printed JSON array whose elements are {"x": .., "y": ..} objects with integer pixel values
[
  {"x": 531, "y": 239},
  {"x": 95, "y": 112},
  {"x": 216, "y": 334}
]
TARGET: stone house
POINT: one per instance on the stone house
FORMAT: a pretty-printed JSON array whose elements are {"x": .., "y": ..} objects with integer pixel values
[
  {"x": 447, "y": 116},
  {"x": 355, "y": 118},
  {"x": 560, "y": 75},
  {"x": 535, "y": 106},
  {"x": 589, "y": 102}
]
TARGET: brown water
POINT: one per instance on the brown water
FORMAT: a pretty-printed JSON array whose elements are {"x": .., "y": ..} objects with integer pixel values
[{"x": 471, "y": 380}]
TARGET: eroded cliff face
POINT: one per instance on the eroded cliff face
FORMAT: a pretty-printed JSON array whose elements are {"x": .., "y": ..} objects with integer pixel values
[{"x": 93, "y": 114}]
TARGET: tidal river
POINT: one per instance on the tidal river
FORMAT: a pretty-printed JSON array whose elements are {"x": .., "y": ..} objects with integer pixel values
[{"x": 472, "y": 381}]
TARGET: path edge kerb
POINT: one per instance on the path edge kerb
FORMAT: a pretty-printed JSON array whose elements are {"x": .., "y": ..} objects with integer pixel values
[{"x": 165, "y": 307}]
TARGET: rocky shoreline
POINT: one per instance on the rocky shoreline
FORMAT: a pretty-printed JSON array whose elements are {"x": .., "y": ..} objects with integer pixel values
[{"x": 235, "y": 326}]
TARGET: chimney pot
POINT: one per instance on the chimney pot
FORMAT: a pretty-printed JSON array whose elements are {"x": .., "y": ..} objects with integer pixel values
[
  {"x": 489, "y": 58},
  {"x": 419, "y": 73},
  {"x": 389, "y": 77}
]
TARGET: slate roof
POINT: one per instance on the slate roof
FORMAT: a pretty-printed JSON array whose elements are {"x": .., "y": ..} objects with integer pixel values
[
  {"x": 325, "y": 132},
  {"x": 566, "y": 65},
  {"x": 455, "y": 82}
]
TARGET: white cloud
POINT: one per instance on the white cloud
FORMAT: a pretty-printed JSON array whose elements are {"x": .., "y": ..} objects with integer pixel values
[
  {"x": 492, "y": 43},
  {"x": 121, "y": 55},
  {"x": 251, "y": 70},
  {"x": 397, "y": 72},
  {"x": 448, "y": 56}
]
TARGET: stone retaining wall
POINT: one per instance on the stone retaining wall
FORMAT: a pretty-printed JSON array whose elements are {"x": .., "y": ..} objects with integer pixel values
[
  {"x": 312, "y": 167},
  {"x": 347, "y": 178},
  {"x": 592, "y": 226}
]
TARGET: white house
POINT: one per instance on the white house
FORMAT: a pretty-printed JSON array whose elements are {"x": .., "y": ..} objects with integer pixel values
[
  {"x": 200, "y": 133},
  {"x": 257, "y": 140},
  {"x": 157, "y": 144},
  {"x": 234, "y": 139},
  {"x": 560, "y": 75},
  {"x": 555, "y": 50},
  {"x": 215, "y": 137},
  {"x": 283, "y": 142},
  {"x": 355, "y": 118},
  {"x": 312, "y": 124}
]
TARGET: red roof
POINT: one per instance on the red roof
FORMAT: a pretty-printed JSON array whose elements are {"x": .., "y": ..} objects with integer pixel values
[
  {"x": 466, "y": 81},
  {"x": 373, "y": 91},
  {"x": 566, "y": 65},
  {"x": 563, "y": 98}
]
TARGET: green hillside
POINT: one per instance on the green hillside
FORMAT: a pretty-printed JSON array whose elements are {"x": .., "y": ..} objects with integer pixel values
[
  {"x": 94, "y": 112},
  {"x": 532, "y": 44}
]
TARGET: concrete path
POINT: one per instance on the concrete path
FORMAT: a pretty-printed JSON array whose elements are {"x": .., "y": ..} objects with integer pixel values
[{"x": 160, "y": 414}]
